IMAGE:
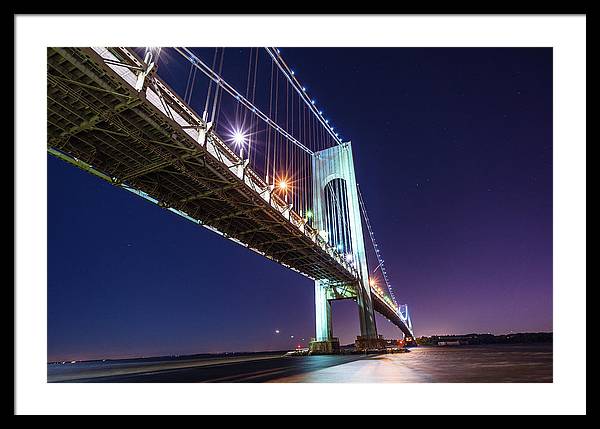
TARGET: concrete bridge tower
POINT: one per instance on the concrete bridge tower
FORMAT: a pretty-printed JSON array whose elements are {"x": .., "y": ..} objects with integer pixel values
[{"x": 337, "y": 216}]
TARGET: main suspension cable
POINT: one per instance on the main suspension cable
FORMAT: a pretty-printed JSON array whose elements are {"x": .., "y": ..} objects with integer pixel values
[
  {"x": 375, "y": 246},
  {"x": 289, "y": 74},
  {"x": 190, "y": 56}
]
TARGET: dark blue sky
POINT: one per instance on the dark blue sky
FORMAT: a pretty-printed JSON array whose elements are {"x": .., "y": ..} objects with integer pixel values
[{"x": 453, "y": 153}]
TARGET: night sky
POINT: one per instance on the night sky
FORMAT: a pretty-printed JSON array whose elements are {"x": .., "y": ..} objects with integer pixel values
[{"x": 453, "y": 153}]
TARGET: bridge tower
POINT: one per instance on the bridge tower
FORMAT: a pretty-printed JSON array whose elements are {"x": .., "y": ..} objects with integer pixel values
[{"x": 337, "y": 217}]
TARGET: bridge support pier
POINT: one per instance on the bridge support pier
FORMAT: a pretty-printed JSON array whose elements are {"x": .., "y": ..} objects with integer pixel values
[
  {"x": 328, "y": 347},
  {"x": 324, "y": 342},
  {"x": 324, "y": 329},
  {"x": 364, "y": 344}
]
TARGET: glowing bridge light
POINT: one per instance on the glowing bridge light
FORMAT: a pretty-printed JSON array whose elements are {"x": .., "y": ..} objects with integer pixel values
[
  {"x": 282, "y": 185},
  {"x": 326, "y": 121},
  {"x": 239, "y": 138},
  {"x": 293, "y": 73},
  {"x": 309, "y": 214},
  {"x": 303, "y": 88},
  {"x": 320, "y": 112},
  {"x": 340, "y": 247},
  {"x": 312, "y": 101},
  {"x": 349, "y": 257}
]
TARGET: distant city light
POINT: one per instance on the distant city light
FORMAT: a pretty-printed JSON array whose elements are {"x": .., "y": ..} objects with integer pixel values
[{"x": 277, "y": 331}]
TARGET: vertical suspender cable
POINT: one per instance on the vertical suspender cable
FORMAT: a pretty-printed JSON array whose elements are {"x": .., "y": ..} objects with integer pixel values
[
  {"x": 187, "y": 85},
  {"x": 268, "y": 152},
  {"x": 218, "y": 92},
  {"x": 210, "y": 83}
]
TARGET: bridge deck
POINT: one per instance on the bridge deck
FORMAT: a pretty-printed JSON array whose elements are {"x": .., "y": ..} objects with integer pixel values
[{"x": 390, "y": 313}]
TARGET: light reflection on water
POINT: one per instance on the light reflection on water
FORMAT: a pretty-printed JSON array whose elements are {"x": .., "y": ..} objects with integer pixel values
[{"x": 519, "y": 363}]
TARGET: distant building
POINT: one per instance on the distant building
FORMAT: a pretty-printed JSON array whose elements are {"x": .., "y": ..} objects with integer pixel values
[
  {"x": 474, "y": 339},
  {"x": 449, "y": 343}
]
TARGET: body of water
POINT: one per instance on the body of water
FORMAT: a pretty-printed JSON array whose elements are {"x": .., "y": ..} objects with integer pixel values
[
  {"x": 510, "y": 363},
  {"x": 506, "y": 363}
]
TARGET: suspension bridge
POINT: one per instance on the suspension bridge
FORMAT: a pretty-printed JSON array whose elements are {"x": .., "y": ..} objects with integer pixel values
[{"x": 262, "y": 167}]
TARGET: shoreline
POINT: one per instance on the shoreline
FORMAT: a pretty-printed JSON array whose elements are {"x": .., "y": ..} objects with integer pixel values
[{"x": 225, "y": 355}]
